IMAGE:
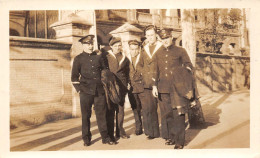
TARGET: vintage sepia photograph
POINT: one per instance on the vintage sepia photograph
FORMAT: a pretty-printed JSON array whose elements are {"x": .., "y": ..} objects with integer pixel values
[{"x": 129, "y": 79}]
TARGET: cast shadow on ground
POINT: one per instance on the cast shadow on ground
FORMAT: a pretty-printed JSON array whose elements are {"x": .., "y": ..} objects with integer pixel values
[
  {"x": 59, "y": 135},
  {"x": 78, "y": 139},
  {"x": 211, "y": 115}
]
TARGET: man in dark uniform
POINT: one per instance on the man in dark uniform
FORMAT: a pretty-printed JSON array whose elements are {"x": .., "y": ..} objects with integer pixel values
[
  {"x": 86, "y": 78},
  {"x": 136, "y": 85},
  {"x": 172, "y": 62},
  {"x": 119, "y": 65},
  {"x": 147, "y": 63}
]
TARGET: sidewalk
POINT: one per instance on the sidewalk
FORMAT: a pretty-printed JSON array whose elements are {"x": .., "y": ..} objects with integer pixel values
[{"x": 227, "y": 126}]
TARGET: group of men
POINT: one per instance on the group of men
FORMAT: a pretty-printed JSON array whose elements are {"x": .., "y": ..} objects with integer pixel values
[{"x": 155, "y": 73}]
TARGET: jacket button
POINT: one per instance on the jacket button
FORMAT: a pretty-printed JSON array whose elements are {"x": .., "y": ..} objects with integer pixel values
[
  {"x": 166, "y": 75},
  {"x": 166, "y": 61},
  {"x": 166, "y": 68},
  {"x": 166, "y": 55}
]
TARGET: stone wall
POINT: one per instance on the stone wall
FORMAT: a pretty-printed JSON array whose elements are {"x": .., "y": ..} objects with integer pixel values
[
  {"x": 220, "y": 73},
  {"x": 40, "y": 87}
]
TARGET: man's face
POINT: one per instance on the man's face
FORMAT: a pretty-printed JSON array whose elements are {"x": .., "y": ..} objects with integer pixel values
[
  {"x": 150, "y": 36},
  {"x": 167, "y": 41},
  {"x": 134, "y": 50},
  {"x": 88, "y": 47},
  {"x": 117, "y": 47}
]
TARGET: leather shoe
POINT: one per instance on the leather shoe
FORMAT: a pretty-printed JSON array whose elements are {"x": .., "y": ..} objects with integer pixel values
[
  {"x": 125, "y": 136},
  {"x": 113, "y": 139},
  {"x": 87, "y": 143},
  {"x": 108, "y": 141},
  {"x": 150, "y": 137},
  {"x": 138, "y": 133},
  {"x": 178, "y": 147},
  {"x": 169, "y": 142}
]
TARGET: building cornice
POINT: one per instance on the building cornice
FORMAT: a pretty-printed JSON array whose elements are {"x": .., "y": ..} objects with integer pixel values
[{"x": 28, "y": 42}]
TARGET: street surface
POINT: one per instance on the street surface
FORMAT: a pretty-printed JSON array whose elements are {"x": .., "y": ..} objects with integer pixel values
[{"x": 227, "y": 126}]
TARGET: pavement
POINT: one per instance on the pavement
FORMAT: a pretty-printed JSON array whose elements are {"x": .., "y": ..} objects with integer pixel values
[{"x": 227, "y": 126}]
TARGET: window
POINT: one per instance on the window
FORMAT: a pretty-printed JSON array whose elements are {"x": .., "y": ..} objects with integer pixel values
[
  {"x": 197, "y": 46},
  {"x": 195, "y": 14},
  {"x": 14, "y": 33},
  {"x": 179, "y": 13},
  {"x": 39, "y": 22},
  {"x": 232, "y": 45},
  {"x": 143, "y": 10}
]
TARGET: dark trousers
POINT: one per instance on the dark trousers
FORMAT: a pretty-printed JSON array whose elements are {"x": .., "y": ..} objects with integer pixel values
[
  {"x": 136, "y": 108},
  {"x": 86, "y": 102},
  {"x": 119, "y": 110},
  {"x": 150, "y": 115},
  {"x": 172, "y": 124}
]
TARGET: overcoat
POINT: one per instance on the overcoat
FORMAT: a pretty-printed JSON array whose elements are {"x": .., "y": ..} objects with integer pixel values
[{"x": 112, "y": 89}]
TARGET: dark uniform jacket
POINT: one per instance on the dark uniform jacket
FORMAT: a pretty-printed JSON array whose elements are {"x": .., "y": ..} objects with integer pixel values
[
  {"x": 148, "y": 65},
  {"x": 174, "y": 75},
  {"x": 135, "y": 76},
  {"x": 86, "y": 73},
  {"x": 169, "y": 59},
  {"x": 120, "y": 67}
]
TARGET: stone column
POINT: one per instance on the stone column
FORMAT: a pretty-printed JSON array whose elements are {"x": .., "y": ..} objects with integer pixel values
[
  {"x": 131, "y": 16},
  {"x": 71, "y": 29}
]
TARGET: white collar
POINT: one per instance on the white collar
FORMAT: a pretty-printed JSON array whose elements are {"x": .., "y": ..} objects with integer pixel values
[
  {"x": 136, "y": 61},
  {"x": 123, "y": 58},
  {"x": 146, "y": 48}
]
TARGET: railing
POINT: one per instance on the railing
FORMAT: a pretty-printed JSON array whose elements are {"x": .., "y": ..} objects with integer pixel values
[{"x": 146, "y": 18}]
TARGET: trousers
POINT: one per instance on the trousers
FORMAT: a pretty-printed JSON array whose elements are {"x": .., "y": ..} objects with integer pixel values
[
  {"x": 149, "y": 111},
  {"x": 136, "y": 108},
  {"x": 117, "y": 109},
  {"x": 86, "y": 102},
  {"x": 172, "y": 124}
]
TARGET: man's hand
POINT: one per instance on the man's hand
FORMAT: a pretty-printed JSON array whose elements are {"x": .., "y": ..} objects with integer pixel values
[
  {"x": 128, "y": 86},
  {"x": 155, "y": 91}
]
